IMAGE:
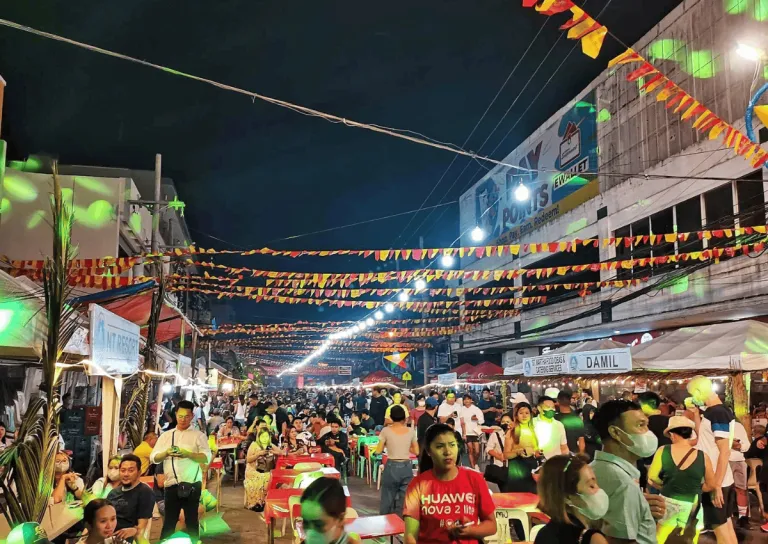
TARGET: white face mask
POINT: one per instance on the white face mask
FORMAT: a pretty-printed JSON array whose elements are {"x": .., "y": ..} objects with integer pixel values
[
  {"x": 113, "y": 474},
  {"x": 62, "y": 466},
  {"x": 596, "y": 505},
  {"x": 643, "y": 445},
  {"x": 422, "y": 402}
]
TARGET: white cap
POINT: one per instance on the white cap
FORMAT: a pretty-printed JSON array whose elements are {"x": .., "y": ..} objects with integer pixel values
[{"x": 552, "y": 392}]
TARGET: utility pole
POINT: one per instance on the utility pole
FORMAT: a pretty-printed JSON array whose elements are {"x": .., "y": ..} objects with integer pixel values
[
  {"x": 156, "y": 206},
  {"x": 424, "y": 350}
]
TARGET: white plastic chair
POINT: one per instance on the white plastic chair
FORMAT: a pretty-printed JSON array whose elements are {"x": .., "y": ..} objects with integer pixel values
[
  {"x": 535, "y": 531},
  {"x": 307, "y": 467},
  {"x": 303, "y": 480}
]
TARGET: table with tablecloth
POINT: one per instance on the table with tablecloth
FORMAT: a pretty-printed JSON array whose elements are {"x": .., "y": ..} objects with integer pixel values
[
  {"x": 286, "y": 476},
  {"x": 287, "y": 461}
]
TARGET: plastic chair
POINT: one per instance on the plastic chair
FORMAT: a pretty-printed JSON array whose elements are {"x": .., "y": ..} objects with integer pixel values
[
  {"x": 535, "y": 531},
  {"x": 238, "y": 464},
  {"x": 307, "y": 467},
  {"x": 503, "y": 517},
  {"x": 752, "y": 483},
  {"x": 294, "y": 506}
]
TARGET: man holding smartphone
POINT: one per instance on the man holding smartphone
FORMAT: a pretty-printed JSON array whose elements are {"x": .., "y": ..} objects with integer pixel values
[
  {"x": 183, "y": 452},
  {"x": 450, "y": 409}
]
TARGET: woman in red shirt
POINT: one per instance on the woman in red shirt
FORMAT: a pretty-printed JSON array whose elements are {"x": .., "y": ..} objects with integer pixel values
[{"x": 447, "y": 503}]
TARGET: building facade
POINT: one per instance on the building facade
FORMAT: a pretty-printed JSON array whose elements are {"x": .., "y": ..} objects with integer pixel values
[{"x": 616, "y": 162}]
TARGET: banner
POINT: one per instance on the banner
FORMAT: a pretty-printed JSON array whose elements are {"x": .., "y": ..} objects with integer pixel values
[
  {"x": 114, "y": 342},
  {"x": 558, "y": 167},
  {"x": 601, "y": 361},
  {"x": 545, "y": 365},
  {"x": 449, "y": 378}
]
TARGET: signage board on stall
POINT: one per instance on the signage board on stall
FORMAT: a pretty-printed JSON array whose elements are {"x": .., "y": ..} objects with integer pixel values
[
  {"x": 545, "y": 365},
  {"x": 600, "y": 361},
  {"x": 448, "y": 378},
  {"x": 114, "y": 342},
  {"x": 345, "y": 370}
]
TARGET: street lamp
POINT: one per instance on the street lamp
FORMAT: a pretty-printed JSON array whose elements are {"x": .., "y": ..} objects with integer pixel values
[
  {"x": 389, "y": 307},
  {"x": 477, "y": 234},
  {"x": 447, "y": 261},
  {"x": 421, "y": 284}
]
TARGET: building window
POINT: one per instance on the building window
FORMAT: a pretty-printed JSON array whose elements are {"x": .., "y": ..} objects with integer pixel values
[
  {"x": 718, "y": 204},
  {"x": 751, "y": 192},
  {"x": 689, "y": 220}
]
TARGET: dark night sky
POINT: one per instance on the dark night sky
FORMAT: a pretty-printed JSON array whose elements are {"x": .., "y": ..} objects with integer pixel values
[{"x": 252, "y": 172}]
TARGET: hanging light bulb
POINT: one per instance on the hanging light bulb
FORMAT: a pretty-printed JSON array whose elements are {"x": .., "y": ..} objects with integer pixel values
[
  {"x": 447, "y": 261},
  {"x": 379, "y": 315},
  {"x": 389, "y": 307},
  {"x": 362, "y": 325},
  {"x": 167, "y": 387},
  {"x": 421, "y": 284},
  {"x": 477, "y": 234},
  {"x": 370, "y": 322},
  {"x": 522, "y": 193},
  {"x": 403, "y": 296}
]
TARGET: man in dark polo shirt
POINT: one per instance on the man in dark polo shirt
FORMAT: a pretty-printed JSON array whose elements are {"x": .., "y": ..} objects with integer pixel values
[
  {"x": 426, "y": 420},
  {"x": 134, "y": 501}
]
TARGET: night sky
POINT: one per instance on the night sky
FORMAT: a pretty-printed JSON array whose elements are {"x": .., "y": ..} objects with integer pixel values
[{"x": 253, "y": 173}]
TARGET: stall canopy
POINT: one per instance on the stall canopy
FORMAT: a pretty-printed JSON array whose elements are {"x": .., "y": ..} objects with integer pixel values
[
  {"x": 381, "y": 377},
  {"x": 737, "y": 345},
  {"x": 484, "y": 372},
  {"x": 462, "y": 370},
  {"x": 134, "y": 304}
]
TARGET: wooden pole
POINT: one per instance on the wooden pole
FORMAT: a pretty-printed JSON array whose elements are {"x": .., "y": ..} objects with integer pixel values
[{"x": 2, "y": 96}]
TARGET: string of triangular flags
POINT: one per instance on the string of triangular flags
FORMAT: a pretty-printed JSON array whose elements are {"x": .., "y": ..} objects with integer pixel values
[{"x": 581, "y": 27}]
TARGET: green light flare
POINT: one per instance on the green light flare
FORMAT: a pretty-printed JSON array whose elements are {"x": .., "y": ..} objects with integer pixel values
[
  {"x": 540, "y": 322},
  {"x": 700, "y": 290},
  {"x": 135, "y": 222},
  {"x": 14, "y": 317},
  {"x": 679, "y": 286},
  {"x": 97, "y": 215},
  {"x": 19, "y": 189},
  {"x": 761, "y": 10},
  {"x": 603, "y": 116},
  {"x": 700, "y": 64},
  {"x": 667, "y": 49},
  {"x": 179, "y": 538},
  {"x": 576, "y": 226},
  {"x": 6, "y": 316},
  {"x": 94, "y": 185},
  {"x": 735, "y": 7},
  {"x": 5, "y": 206},
  {"x": 33, "y": 164},
  {"x": 35, "y": 219},
  {"x": 765, "y": 72},
  {"x": 585, "y": 104}
]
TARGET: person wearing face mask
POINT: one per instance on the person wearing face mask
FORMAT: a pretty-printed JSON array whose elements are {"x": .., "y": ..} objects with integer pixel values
[
  {"x": 550, "y": 433},
  {"x": 418, "y": 410},
  {"x": 715, "y": 430},
  {"x": 67, "y": 485},
  {"x": 678, "y": 470},
  {"x": 623, "y": 428},
  {"x": 521, "y": 449},
  {"x": 569, "y": 494},
  {"x": 101, "y": 487},
  {"x": 323, "y": 507}
]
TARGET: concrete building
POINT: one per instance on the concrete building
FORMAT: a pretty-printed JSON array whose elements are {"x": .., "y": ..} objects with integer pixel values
[{"x": 656, "y": 175}]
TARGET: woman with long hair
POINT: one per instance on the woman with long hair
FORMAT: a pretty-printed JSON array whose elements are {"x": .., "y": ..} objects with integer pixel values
[
  {"x": 292, "y": 444},
  {"x": 101, "y": 487},
  {"x": 260, "y": 461},
  {"x": 575, "y": 504},
  {"x": 521, "y": 449},
  {"x": 445, "y": 502}
]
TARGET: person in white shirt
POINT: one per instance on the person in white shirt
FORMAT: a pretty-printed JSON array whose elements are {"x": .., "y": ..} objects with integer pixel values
[
  {"x": 183, "y": 451},
  {"x": 738, "y": 464},
  {"x": 449, "y": 409},
  {"x": 471, "y": 418},
  {"x": 239, "y": 411},
  {"x": 495, "y": 447},
  {"x": 550, "y": 433}
]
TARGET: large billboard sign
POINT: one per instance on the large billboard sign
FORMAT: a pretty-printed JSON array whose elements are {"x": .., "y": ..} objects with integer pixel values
[{"x": 558, "y": 167}]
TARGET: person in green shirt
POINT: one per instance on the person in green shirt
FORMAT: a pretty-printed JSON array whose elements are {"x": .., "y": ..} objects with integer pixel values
[{"x": 397, "y": 400}]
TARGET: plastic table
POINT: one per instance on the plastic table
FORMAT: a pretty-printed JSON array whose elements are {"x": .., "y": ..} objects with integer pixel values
[
  {"x": 286, "y": 476},
  {"x": 276, "y": 507},
  {"x": 370, "y": 527},
  {"x": 521, "y": 501},
  {"x": 286, "y": 461}
]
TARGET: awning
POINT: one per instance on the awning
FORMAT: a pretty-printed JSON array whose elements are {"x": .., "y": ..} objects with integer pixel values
[
  {"x": 736, "y": 345},
  {"x": 134, "y": 303},
  {"x": 462, "y": 370},
  {"x": 484, "y": 372}
]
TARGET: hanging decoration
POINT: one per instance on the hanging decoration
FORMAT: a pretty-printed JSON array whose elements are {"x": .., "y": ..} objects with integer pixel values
[
  {"x": 581, "y": 27},
  {"x": 760, "y": 111},
  {"x": 704, "y": 120}
]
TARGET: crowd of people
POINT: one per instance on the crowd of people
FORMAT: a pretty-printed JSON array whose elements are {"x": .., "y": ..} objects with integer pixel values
[{"x": 637, "y": 468}]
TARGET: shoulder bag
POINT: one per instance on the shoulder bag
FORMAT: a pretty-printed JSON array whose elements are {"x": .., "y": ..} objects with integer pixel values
[
  {"x": 494, "y": 473},
  {"x": 184, "y": 489}
]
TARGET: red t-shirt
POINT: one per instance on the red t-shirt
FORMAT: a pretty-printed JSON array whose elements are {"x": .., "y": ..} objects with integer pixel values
[{"x": 439, "y": 505}]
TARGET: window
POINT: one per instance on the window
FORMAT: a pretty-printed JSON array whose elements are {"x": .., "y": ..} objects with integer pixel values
[
  {"x": 751, "y": 199},
  {"x": 718, "y": 204},
  {"x": 689, "y": 220},
  {"x": 663, "y": 223}
]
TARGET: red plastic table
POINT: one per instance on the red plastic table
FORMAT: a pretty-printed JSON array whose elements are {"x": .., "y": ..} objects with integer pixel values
[
  {"x": 286, "y": 461},
  {"x": 369, "y": 527},
  {"x": 527, "y": 502},
  {"x": 276, "y": 507},
  {"x": 286, "y": 476}
]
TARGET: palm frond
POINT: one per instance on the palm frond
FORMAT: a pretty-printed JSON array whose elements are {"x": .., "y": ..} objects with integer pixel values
[
  {"x": 28, "y": 464},
  {"x": 134, "y": 420}
]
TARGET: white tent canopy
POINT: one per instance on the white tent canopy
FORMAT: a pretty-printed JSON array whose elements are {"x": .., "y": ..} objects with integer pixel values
[
  {"x": 737, "y": 345},
  {"x": 574, "y": 347}
]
